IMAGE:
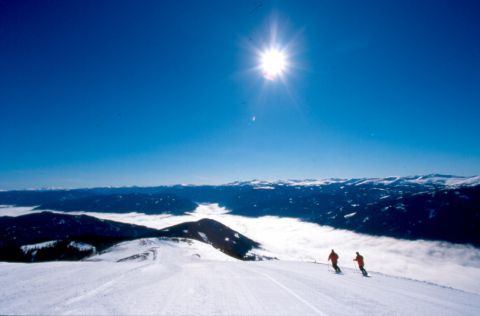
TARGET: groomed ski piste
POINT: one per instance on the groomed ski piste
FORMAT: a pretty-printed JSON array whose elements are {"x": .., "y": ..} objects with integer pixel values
[
  {"x": 162, "y": 277},
  {"x": 187, "y": 277}
]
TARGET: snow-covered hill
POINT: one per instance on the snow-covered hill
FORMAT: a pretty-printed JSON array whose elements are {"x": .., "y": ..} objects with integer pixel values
[
  {"x": 49, "y": 236},
  {"x": 161, "y": 277},
  {"x": 443, "y": 263}
]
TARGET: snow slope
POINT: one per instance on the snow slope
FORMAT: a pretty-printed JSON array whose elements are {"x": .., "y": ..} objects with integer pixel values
[
  {"x": 456, "y": 266},
  {"x": 194, "y": 279}
]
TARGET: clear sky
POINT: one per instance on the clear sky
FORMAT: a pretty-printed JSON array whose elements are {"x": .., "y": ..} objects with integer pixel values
[{"x": 96, "y": 93}]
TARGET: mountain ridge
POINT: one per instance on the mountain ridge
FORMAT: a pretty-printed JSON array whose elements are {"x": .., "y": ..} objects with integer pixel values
[
  {"x": 50, "y": 236},
  {"x": 431, "y": 207}
]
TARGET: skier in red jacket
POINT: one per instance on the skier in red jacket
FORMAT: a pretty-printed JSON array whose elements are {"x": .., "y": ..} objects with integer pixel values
[
  {"x": 334, "y": 258},
  {"x": 361, "y": 263}
]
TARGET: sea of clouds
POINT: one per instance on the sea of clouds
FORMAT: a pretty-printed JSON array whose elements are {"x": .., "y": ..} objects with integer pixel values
[{"x": 443, "y": 263}]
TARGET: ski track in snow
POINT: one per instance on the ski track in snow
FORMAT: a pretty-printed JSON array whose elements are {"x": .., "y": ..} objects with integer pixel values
[
  {"x": 313, "y": 308},
  {"x": 195, "y": 279}
]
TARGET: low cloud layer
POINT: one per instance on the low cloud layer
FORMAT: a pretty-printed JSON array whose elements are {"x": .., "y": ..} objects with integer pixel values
[{"x": 442, "y": 263}]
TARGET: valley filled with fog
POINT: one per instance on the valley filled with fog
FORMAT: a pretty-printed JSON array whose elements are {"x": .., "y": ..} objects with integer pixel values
[{"x": 291, "y": 239}]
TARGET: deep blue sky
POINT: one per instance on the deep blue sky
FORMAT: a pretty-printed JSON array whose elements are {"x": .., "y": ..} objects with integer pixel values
[{"x": 97, "y": 93}]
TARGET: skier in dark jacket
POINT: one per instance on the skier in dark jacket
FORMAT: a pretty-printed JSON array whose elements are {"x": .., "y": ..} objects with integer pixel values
[
  {"x": 361, "y": 263},
  {"x": 334, "y": 258}
]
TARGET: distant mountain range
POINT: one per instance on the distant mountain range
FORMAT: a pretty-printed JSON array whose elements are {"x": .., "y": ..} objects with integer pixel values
[
  {"x": 434, "y": 207},
  {"x": 148, "y": 203}
]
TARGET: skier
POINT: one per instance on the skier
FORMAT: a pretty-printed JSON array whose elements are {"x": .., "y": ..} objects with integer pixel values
[
  {"x": 361, "y": 264},
  {"x": 334, "y": 258}
]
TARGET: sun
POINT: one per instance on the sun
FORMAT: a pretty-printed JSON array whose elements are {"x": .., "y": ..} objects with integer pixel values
[{"x": 273, "y": 63}]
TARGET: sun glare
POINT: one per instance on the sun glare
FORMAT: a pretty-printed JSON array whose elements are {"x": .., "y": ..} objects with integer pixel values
[{"x": 273, "y": 63}]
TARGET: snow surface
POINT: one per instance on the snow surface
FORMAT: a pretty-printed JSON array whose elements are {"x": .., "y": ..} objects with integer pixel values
[
  {"x": 431, "y": 179},
  {"x": 192, "y": 278},
  {"x": 41, "y": 245},
  {"x": 453, "y": 181},
  {"x": 265, "y": 184},
  {"x": 442, "y": 263},
  {"x": 169, "y": 249},
  {"x": 203, "y": 236},
  {"x": 350, "y": 214},
  {"x": 81, "y": 246}
]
